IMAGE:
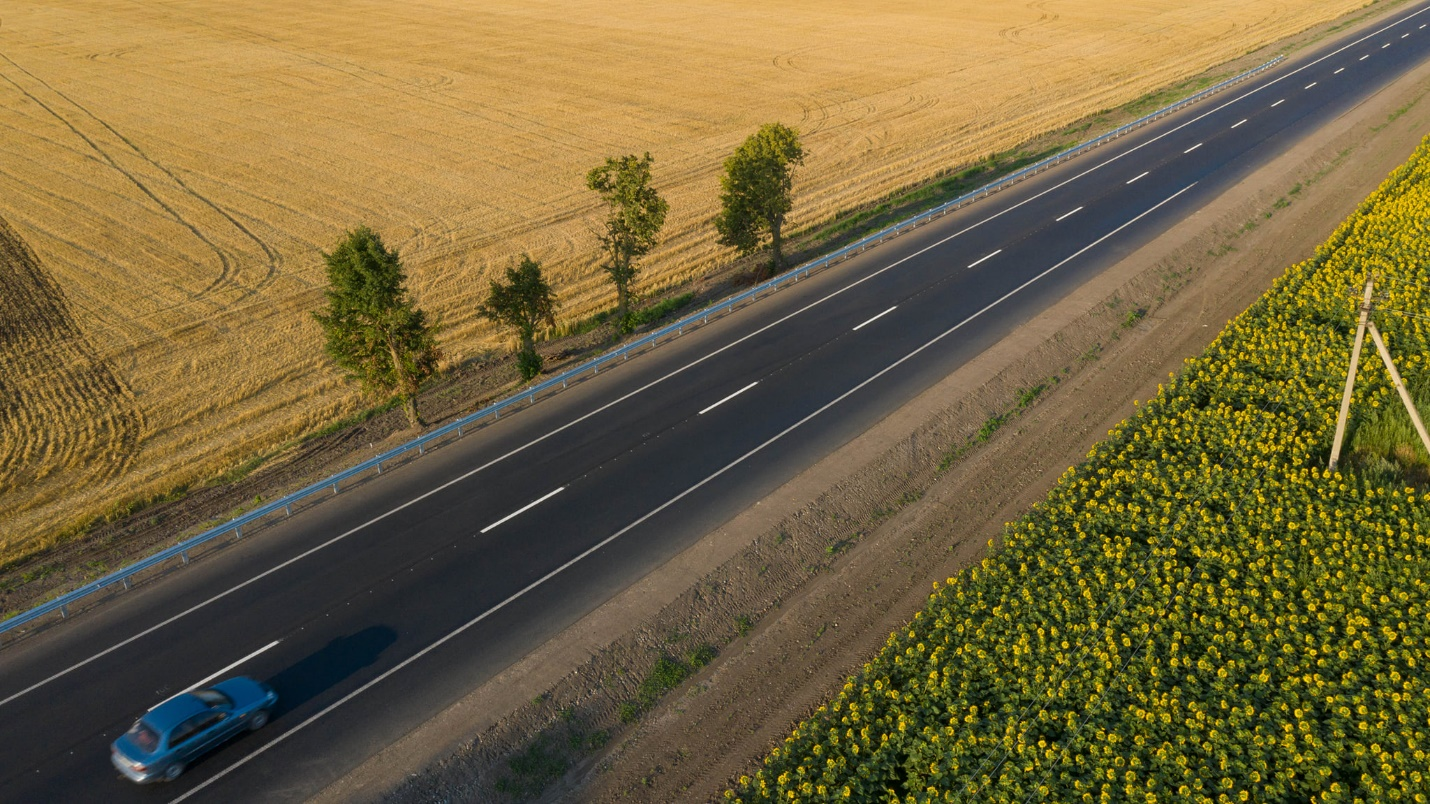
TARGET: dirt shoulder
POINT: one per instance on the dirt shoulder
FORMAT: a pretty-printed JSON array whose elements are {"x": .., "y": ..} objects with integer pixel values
[{"x": 793, "y": 596}]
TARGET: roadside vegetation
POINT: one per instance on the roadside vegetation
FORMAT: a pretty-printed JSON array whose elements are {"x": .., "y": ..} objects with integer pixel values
[
  {"x": 523, "y": 302},
  {"x": 1201, "y": 611},
  {"x": 372, "y": 329}
]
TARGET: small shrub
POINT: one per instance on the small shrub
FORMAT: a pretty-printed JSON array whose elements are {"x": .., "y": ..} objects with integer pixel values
[
  {"x": 532, "y": 769},
  {"x": 700, "y": 657},
  {"x": 629, "y": 712},
  {"x": 743, "y": 624},
  {"x": 660, "y": 310},
  {"x": 529, "y": 364}
]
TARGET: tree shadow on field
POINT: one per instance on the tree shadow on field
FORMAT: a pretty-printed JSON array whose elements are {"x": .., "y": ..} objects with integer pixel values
[{"x": 324, "y": 669}]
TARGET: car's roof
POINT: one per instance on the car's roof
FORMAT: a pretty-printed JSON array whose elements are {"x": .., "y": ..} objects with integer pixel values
[
  {"x": 174, "y": 711},
  {"x": 241, "y": 690}
]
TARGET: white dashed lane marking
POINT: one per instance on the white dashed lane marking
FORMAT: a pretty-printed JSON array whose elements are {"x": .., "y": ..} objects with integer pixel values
[
  {"x": 861, "y": 326},
  {"x": 982, "y": 259},
  {"x": 523, "y": 509}
]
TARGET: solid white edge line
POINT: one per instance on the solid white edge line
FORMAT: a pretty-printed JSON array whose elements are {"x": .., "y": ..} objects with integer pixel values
[
  {"x": 730, "y": 345},
  {"x": 865, "y": 324},
  {"x": 985, "y": 258},
  {"x": 1278, "y": 103},
  {"x": 1067, "y": 215},
  {"x": 1193, "y": 148},
  {"x": 1138, "y": 176},
  {"x": 673, "y": 500},
  {"x": 1238, "y": 125},
  {"x": 728, "y": 398},
  {"x": 518, "y": 512}
]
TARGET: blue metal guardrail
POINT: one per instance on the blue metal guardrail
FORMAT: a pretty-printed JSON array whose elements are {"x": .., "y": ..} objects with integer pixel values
[{"x": 235, "y": 526}]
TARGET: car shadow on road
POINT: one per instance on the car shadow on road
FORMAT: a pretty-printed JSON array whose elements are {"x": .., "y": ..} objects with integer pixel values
[{"x": 327, "y": 667}]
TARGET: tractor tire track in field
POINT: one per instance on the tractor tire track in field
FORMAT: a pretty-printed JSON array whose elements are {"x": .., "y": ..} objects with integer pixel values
[
  {"x": 1015, "y": 33},
  {"x": 61, "y": 404},
  {"x": 227, "y": 261}
]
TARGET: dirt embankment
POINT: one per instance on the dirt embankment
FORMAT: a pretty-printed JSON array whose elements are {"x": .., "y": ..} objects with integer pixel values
[{"x": 796, "y": 595}]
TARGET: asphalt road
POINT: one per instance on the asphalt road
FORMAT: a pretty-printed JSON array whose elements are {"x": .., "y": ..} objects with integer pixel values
[{"x": 373, "y": 611}]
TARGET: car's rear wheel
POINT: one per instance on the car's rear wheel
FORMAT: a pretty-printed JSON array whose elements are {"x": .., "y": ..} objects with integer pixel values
[
  {"x": 174, "y": 771},
  {"x": 259, "y": 720}
]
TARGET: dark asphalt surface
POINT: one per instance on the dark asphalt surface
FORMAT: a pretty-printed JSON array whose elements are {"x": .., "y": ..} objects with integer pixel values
[{"x": 392, "y": 600}]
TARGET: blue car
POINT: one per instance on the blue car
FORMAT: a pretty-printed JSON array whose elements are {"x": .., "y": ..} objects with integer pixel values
[{"x": 176, "y": 732}]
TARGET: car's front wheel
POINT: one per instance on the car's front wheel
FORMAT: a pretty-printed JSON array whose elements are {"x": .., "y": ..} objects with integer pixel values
[
  {"x": 259, "y": 720},
  {"x": 174, "y": 771}
]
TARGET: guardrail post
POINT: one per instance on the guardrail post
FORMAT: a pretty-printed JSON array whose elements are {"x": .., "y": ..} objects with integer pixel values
[
  {"x": 288, "y": 509},
  {"x": 185, "y": 556},
  {"x": 238, "y": 532},
  {"x": 64, "y": 612},
  {"x": 335, "y": 487},
  {"x": 126, "y": 583},
  {"x": 379, "y": 467},
  {"x": 421, "y": 448},
  {"x": 531, "y": 399}
]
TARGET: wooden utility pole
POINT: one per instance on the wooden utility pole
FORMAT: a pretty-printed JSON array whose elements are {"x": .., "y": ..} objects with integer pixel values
[
  {"x": 1400, "y": 386},
  {"x": 1351, "y": 376}
]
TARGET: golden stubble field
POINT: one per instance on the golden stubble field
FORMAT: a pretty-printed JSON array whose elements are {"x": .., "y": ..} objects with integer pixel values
[{"x": 170, "y": 169}]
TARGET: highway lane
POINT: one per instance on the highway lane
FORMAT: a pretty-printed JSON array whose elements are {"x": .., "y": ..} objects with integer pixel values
[{"x": 362, "y": 607}]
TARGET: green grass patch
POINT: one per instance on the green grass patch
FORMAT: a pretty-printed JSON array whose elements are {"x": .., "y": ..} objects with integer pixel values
[
  {"x": 533, "y": 769},
  {"x": 661, "y": 310},
  {"x": 665, "y": 675},
  {"x": 1385, "y": 447}
]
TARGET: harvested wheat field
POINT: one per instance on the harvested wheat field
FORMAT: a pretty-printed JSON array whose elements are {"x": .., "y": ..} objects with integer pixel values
[{"x": 171, "y": 169}]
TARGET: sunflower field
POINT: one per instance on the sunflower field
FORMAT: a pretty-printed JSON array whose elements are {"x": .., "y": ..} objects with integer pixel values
[{"x": 1200, "y": 611}]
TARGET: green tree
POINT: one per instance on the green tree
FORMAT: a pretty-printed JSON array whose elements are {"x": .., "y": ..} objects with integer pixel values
[
  {"x": 524, "y": 302},
  {"x": 755, "y": 190},
  {"x": 373, "y": 330},
  {"x": 637, "y": 212}
]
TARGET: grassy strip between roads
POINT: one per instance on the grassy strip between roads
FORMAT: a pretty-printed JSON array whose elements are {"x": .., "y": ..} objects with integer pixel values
[{"x": 1200, "y": 611}]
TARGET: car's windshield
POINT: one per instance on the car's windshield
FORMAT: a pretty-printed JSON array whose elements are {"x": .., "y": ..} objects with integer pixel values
[
  {"x": 214, "y": 699},
  {"x": 145, "y": 738}
]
